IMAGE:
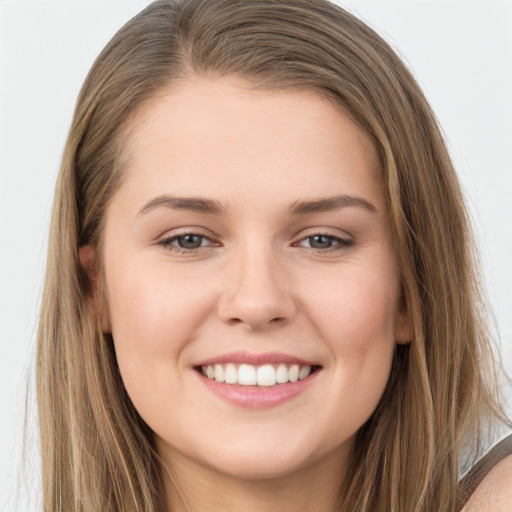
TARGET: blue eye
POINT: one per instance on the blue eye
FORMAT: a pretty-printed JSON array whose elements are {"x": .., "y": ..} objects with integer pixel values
[
  {"x": 189, "y": 241},
  {"x": 186, "y": 242},
  {"x": 322, "y": 242}
]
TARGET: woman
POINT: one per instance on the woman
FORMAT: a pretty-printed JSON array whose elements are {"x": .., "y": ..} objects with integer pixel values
[{"x": 260, "y": 290}]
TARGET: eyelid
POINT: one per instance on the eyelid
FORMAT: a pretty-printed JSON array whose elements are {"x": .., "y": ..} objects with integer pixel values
[
  {"x": 169, "y": 236},
  {"x": 325, "y": 231},
  {"x": 344, "y": 241},
  {"x": 186, "y": 230}
]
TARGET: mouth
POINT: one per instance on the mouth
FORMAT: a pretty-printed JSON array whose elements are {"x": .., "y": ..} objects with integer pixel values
[
  {"x": 257, "y": 381},
  {"x": 264, "y": 376}
]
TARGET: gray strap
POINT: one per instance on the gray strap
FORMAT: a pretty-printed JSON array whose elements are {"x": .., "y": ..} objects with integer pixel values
[{"x": 482, "y": 468}]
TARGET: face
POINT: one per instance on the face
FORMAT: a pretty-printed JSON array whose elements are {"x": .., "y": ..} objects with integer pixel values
[{"x": 253, "y": 293}]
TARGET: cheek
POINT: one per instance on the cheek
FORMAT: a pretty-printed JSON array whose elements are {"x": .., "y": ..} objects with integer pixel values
[
  {"x": 355, "y": 310},
  {"x": 357, "y": 321},
  {"x": 153, "y": 314}
]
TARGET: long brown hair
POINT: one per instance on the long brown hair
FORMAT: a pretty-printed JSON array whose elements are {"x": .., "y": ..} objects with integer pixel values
[{"x": 97, "y": 452}]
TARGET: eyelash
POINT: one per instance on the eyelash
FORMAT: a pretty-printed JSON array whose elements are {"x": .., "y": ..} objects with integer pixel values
[
  {"x": 168, "y": 243},
  {"x": 340, "y": 244}
]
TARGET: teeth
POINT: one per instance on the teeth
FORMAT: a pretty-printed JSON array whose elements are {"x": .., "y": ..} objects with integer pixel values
[
  {"x": 230, "y": 374},
  {"x": 266, "y": 375},
  {"x": 293, "y": 373},
  {"x": 281, "y": 374},
  {"x": 249, "y": 375},
  {"x": 303, "y": 373},
  {"x": 219, "y": 373}
]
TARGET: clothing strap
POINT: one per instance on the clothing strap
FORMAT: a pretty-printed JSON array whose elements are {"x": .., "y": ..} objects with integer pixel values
[{"x": 481, "y": 469}]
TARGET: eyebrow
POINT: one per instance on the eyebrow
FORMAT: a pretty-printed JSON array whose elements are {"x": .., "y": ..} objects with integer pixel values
[
  {"x": 193, "y": 204},
  {"x": 330, "y": 204},
  {"x": 212, "y": 207}
]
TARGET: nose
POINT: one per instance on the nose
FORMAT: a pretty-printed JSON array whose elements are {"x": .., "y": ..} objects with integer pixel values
[{"x": 256, "y": 292}]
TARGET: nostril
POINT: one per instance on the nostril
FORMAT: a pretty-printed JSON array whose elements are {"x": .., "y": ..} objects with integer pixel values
[{"x": 273, "y": 321}]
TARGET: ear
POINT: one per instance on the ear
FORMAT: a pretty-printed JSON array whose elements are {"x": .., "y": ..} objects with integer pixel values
[
  {"x": 97, "y": 297},
  {"x": 404, "y": 326},
  {"x": 88, "y": 262}
]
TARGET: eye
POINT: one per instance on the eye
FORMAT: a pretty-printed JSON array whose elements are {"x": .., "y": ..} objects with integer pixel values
[
  {"x": 324, "y": 242},
  {"x": 189, "y": 241},
  {"x": 186, "y": 242}
]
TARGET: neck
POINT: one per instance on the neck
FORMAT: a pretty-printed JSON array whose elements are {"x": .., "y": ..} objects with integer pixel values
[{"x": 192, "y": 487}]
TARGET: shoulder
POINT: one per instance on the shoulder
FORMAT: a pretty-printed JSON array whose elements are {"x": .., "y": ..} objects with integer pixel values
[{"x": 494, "y": 494}]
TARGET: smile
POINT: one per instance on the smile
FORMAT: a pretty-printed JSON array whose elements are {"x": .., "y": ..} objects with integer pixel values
[
  {"x": 265, "y": 375},
  {"x": 257, "y": 381}
]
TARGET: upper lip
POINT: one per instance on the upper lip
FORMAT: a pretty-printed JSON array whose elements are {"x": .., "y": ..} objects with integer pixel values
[{"x": 255, "y": 359}]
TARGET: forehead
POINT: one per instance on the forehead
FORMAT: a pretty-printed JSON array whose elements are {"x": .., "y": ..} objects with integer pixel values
[{"x": 219, "y": 136}]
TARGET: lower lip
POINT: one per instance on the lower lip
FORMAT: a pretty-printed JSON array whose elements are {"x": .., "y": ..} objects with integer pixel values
[{"x": 258, "y": 397}]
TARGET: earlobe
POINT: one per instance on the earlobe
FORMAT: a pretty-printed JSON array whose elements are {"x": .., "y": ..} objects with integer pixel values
[
  {"x": 404, "y": 334},
  {"x": 99, "y": 302},
  {"x": 88, "y": 262},
  {"x": 404, "y": 327}
]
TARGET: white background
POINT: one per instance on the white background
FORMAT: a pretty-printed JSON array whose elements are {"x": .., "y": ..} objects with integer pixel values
[{"x": 460, "y": 52}]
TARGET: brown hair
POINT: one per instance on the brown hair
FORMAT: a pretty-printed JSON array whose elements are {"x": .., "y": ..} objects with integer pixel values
[{"x": 97, "y": 452}]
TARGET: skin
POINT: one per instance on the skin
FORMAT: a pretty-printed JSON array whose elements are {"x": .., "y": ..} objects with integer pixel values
[
  {"x": 494, "y": 494},
  {"x": 259, "y": 282}
]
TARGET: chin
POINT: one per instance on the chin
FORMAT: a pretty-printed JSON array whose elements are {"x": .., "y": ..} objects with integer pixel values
[
  {"x": 250, "y": 467},
  {"x": 263, "y": 459}
]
